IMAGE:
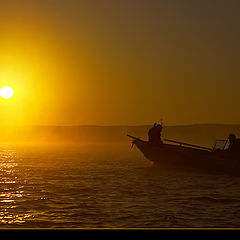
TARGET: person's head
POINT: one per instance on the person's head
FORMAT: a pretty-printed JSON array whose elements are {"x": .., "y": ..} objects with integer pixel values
[
  {"x": 159, "y": 126},
  {"x": 232, "y": 137}
]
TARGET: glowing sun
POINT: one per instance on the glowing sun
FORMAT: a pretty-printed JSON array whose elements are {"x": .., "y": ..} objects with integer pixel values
[{"x": 6, "y": 92}]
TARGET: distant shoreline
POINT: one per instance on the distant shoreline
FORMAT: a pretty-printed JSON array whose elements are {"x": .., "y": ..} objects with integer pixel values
[
  {"x": 199, "y": 134},
  {"x": 126, "y": 125}
]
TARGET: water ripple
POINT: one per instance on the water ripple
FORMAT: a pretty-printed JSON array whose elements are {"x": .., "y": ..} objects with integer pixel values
[{"x": 75, "y": 186}]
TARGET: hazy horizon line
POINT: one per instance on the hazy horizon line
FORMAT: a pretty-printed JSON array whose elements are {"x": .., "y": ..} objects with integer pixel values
[{"x": 116, "y": 125}]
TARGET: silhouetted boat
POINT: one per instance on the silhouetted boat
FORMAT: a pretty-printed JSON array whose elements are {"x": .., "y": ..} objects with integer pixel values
[{"x": 194, "y": 158}]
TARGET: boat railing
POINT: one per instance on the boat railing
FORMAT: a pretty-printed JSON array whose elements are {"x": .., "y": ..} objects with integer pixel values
[
  {"x": 177, "y": 142},
  {"x": 187, "y": 144}
]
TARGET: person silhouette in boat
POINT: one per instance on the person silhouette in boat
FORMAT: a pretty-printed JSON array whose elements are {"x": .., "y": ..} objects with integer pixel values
[
  {"x": 154, "y": 134},
  {"x": 234, "y": 146}
]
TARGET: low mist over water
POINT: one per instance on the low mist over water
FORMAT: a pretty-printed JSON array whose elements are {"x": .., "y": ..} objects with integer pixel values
[{"x": 202, "y": 134}]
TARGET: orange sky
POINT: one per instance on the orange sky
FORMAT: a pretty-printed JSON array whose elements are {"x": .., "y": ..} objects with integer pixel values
[{"x": 120, "y": 62}]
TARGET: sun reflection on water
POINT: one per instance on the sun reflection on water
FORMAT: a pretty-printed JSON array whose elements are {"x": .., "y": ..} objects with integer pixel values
[{"x": 11, "y": 190}]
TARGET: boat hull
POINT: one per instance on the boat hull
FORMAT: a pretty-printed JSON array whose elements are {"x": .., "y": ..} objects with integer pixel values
[{"x": 170, "y": 156}]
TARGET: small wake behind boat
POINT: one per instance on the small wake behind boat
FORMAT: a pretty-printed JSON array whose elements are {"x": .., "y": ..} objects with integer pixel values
[{"x": 189, "y": 157}]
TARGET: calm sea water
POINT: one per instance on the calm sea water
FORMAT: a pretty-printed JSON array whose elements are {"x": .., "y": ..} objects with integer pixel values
[{"x": 107, "y": 186}]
